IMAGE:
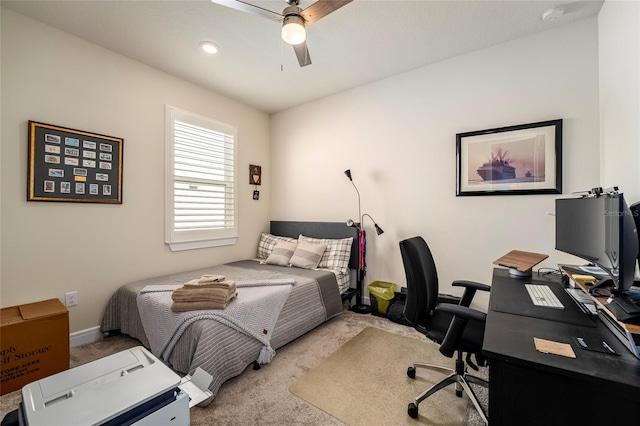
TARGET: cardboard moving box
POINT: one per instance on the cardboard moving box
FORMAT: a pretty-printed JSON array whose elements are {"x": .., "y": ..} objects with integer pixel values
[{"x": 34, "y": 343}]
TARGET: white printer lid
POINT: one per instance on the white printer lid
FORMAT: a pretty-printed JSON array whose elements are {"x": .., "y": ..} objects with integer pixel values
[{"x": 94, "y": 393}]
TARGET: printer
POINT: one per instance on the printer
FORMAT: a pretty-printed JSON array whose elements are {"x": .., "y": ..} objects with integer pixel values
[{"x": 131, "y": 387}]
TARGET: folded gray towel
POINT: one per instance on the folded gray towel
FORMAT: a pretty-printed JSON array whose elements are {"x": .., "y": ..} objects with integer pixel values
[
  {"x": 226, "y": 284},
  {"x": 203, "y": 295}
]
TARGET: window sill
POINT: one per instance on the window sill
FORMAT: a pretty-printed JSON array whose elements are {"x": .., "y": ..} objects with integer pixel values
[{"x": 193, "y": 245}]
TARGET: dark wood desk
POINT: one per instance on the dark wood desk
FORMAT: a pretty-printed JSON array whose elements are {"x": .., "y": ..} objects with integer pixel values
[{"x": 528, "y": 387}]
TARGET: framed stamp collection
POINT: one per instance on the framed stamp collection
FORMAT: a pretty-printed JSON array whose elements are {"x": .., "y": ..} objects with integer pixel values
[{"x": 73, "y": 165}]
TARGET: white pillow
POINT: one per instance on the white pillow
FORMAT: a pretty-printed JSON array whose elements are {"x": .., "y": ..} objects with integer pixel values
[
  {"x": 307, "y": 255},
  {"x": 281, "y": 253}
]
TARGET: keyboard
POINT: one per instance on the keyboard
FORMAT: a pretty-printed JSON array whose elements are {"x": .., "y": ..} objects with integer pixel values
[{"x": 541, "y": 295}]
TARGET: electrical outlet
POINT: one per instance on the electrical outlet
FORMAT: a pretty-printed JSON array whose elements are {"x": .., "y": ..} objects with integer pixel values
[{"x": 71, "y": 298}]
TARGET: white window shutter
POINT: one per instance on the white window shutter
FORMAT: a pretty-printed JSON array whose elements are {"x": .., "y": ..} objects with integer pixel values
[{"x": 201, "y": 181}]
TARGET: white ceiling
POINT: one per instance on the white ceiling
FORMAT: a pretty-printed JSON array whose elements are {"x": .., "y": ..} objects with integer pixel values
[{"x": 364, "y": 41}]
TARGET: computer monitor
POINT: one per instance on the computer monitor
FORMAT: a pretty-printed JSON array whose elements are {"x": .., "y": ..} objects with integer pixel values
[
  {"x": 602, "y": 230},
  {"x": 635, "y": 212}
]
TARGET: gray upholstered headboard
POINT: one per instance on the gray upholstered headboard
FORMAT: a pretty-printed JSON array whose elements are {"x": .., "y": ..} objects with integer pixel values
[{"x": 319, "y": 230}]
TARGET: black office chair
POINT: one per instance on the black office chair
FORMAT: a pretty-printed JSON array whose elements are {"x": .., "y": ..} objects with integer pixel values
[{"x": 445, "y": 319}]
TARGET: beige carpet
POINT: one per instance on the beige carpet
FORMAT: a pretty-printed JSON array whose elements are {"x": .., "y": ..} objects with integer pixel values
[
  {"x": 364, "y": 382},
  {"x": 263, "y": 398}
]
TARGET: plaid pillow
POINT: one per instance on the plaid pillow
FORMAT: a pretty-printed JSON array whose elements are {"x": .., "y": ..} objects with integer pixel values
[
  {"x": 268, "y": 242},
  {"x": 336, "y": 257},
  {"x": 344, "y": 280}
]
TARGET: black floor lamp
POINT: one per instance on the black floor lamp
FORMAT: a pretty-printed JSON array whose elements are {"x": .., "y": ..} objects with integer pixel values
[{"x": 360, "y": 307}]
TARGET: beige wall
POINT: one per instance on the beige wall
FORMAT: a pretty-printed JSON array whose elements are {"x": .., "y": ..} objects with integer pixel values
[
  {"x": 619, "y": 53},
  {"x": 51, "y": 248},
  {"x": 398, "y": 137}
]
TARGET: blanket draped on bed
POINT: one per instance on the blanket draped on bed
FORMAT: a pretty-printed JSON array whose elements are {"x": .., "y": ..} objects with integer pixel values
[
  {"x": 253, "y": 312},
  {"x": 221, "y": 350}
]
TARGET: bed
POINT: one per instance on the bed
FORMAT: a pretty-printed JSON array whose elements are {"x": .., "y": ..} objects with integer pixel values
[{"x": 315, "y": 297}]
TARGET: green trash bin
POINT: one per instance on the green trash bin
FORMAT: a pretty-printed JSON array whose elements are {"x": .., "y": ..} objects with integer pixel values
[{"x": 383, "y": 292}]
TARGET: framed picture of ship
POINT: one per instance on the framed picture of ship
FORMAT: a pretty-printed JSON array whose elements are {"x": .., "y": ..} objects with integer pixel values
[{"x": 514, "y": 160}]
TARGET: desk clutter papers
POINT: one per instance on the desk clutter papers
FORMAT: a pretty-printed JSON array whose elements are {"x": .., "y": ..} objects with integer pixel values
[
  {"x": 583, "y": 300},
  {"x": 584, "y": 278},
  {"x": 596, "y": 270},
  {"x": 584, "y": 274},
  {"x": 555, "y": 348}
]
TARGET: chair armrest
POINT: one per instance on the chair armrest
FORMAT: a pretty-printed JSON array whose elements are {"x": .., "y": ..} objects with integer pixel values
[
  {"x": 461, "y": 316},
  {"x": 448, "y": 298},
  {"x": 471, "y": 284},
  {"x": 462, "y": 312},
  {"x": 470, "y": 288}
]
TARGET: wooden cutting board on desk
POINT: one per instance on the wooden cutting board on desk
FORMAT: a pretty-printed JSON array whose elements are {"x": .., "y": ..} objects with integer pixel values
[{"x": 521, "y": 260}]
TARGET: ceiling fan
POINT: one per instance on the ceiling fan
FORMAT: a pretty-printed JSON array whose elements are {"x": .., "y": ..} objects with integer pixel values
[{"x": 294, "y": 20}]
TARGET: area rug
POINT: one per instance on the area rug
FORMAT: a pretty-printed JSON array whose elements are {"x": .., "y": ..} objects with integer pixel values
[{"x": 365, "y": 382}]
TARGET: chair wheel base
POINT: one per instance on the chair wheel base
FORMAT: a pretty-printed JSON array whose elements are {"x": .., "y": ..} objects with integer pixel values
[
  {"x": 412, "y": 410},
  {"x": 411, "y": 372}
]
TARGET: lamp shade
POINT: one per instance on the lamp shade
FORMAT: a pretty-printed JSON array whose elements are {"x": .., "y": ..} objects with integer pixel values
[
  {"x": 348, "y": 173},
  {"x": 293, "y": 31}
]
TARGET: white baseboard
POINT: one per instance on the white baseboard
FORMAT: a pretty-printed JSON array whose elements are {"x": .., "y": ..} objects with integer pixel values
[{"x": 84, "y": 337}]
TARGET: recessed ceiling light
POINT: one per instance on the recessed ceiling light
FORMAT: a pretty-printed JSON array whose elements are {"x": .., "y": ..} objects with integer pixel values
[
  {"x": 552, "y": 14},
  {"x": 209, "y": 47}
]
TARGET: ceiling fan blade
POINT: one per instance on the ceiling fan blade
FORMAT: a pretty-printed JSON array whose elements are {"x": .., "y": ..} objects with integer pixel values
[
  {"x": 302, "y": 53},
  {"x": 250, "y": 8},
  {"x": 321, "y": 8}
]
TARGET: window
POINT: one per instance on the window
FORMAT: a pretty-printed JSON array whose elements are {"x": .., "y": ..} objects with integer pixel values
[{"x": 200, "y": 185}]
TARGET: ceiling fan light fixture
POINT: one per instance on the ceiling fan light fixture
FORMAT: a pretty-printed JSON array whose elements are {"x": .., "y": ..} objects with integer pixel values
[
  {"x": 209, "y": 47},
  {"x": 293, "y": 31}
]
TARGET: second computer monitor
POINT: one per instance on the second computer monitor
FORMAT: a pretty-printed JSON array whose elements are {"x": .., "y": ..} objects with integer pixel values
[{"x": 600, "y": 230}]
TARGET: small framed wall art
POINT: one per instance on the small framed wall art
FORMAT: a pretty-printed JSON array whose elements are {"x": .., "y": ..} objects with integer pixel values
[
  {"x": 514, "y": 160},
  {"x": 73, "y": 165},
  {"x": 255, "y": 175}
]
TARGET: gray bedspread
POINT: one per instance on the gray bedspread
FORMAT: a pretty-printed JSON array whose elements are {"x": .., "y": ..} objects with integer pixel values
[{"x": 217, "y": 348}]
